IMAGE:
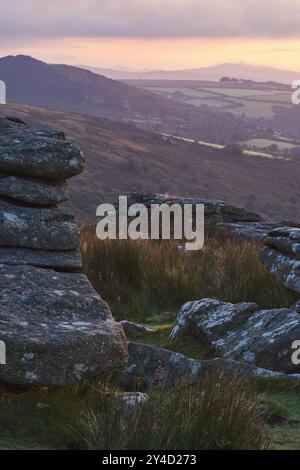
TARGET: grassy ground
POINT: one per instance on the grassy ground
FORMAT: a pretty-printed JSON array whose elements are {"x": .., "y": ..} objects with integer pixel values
[
  {"x": 222, "y": 414},
  {"x": 67, "y": 419},
  {"x": 90, "y": 417},
  {"x": 152, "y": 280},
  {"x": 159, "y": 337},
  {"x": 140, "y": 278}
]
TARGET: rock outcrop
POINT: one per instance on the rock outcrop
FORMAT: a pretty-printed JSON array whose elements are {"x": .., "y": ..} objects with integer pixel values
[
  {"x": 282, "y": 256},
  {"x": 37, "y": 154},
  {"x": 150, "y": 367},
  {"x": 225, "y": 218},
  {"x": 243, "y": 332},
  {"x": 251, "y": 230},
  {"x": 56, "y": 328},
  {"x": 215, "y": 211}
]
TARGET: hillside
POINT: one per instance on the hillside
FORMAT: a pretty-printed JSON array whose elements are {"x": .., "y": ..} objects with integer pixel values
[
  {"x": 122, "y": 158},
  {"x": 31, "y": 81}
]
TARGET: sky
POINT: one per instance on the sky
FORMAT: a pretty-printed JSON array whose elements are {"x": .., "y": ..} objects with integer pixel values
[{"x": 153, "y": 34}]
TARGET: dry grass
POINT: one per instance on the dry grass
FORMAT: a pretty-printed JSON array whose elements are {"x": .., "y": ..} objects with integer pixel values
[
  {"x": 221, "y": 414},
  {"x": 140, "y": 278}
]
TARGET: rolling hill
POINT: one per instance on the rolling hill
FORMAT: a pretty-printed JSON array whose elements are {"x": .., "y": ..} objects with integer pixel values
[
  {"x": 122, "y": 158},
  {"x": 257, "y": 73},
  {"x": 31, "y": 81}
]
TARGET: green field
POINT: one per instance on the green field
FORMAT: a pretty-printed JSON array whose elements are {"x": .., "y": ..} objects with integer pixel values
[
  {"x": 254, "y": 109},
  {"x": 188, "y": 92},
  {"x": 214, "y": 103},
  {"x": 242, "y": 92},
  {"x": 264, "y": 143},
  {"x": 254, "y": 103},
  {"x": 284, "y": 98}
]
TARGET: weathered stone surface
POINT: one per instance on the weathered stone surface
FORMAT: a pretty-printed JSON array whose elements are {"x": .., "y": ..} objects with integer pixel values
[
  {"x": 210, "y": 319},
  {"x": 43, "y": 154},
  {"x": 248, "y": 230},
  {"x": 57, "y": 330},
  {"x": 61, "y": 260},
  {"x": 243, "y": 332},
  {"x": 34, "y": 191},
  {"x": 285, "y": 239},
  {"x": 149, "y": 367},
  {"x": 282, "y": 256},
  {"x": 48, "y": 353},
  {"x": 293, "y": 233},
  {"x": 265, "y": 340},
  {"x": 41, "y": 229},
  {"x": 53, "y": 294},
  {"x": 284, "y": 267},
  {"x": 296, "y": 306},
  {"x": 132, "y": 328}
]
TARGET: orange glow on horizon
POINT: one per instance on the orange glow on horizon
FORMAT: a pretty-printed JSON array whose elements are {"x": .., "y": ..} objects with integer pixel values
[{"x": 168, "y": 54}]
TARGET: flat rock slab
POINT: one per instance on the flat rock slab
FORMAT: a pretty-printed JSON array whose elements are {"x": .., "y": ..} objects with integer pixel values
[
  {"x": 50, "y": 294},
  {"x": 150, "y": 367},
  {"x": 57, "y": 329},
  {"x": 243, "y": 332},
  {"x": 50, "y": 353},
  {"x": 42, "y": 154},
  {"x": 61, "y": 260},
  {"x": 34, "y": 191},
  {"x": 41, "y": 229}
]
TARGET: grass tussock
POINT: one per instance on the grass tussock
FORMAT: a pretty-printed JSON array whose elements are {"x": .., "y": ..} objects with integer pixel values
[
  {"x": 141, "y": 278},
  {"x": 221, "y": 414}
]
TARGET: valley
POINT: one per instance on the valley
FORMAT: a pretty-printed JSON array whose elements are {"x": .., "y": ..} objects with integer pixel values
[{"x": 122, "y": 158}]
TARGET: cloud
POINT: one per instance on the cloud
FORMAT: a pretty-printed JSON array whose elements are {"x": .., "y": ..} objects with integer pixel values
[{"x": 149, "y": 18}]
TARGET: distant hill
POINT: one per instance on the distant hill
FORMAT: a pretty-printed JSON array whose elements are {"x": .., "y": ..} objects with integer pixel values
[
  {"x": 122, "y": 158},
  {"x": 31, "y": 81},
  {"x": 242, "y": 71},
  {"x": 61, "y": 86}
]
